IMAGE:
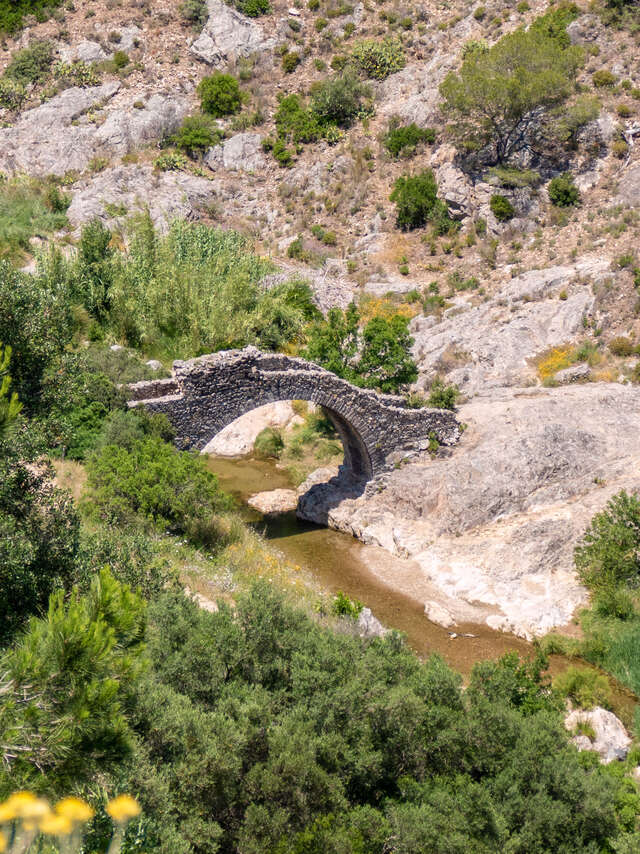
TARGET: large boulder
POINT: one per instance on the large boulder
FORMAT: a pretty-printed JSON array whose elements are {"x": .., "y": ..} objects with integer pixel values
[
  {"x": 122, "y": 190},
  {"x": 241, "y": 153},
  {"x": 238, "y": 438},
  {"x": 611, "y": 739},
  {"x": 629, "y": 187},
  {"x": 59, "y": 137},
  {"x": 413, "y": 93},
  {"x": 228, "y": 35},
  {"x": 494, "y": 521},
  {"x": 84, "y": 51},
  {"x": 492, "y": 344}
]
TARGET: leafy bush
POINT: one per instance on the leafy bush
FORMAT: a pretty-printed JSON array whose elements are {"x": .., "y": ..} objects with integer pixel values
[
  {"x": 442, "y": 396},
  {"x": 615, "y": 603},
  {"x": 12, "y": 94},
  {"x": 120, "y": 59},
  {"x": 376, "y": 356},
  {"x": 586, "y": 687},
  {"x": 501, "y": 208},
  {"x": 290, "y": 61},
  {"x": 513, "y": 178},
  {"x": 170, "y": 161},
  {"x": 339, "y": 99},
  {"x": 563, "y": 192},
  {"x": 195, "y": 12},
  {"x": 220, "y": 95},
  {"x": 622, "y": 346},
  {"x": 402, "y": 140},
  {"x": 268, "y": 443},
  {"x": 152, "y": 481},
  {"x": 608, "y": 554},
  {"x": 603, "y": 78},
  {"x": 12, "y": 12},
  {"x": 32, "y": 64},
  {"x": 343, "y": 606},
  {"x": 416, "y": 201},
  {"x": 196, "y": 135},
  {"x": 554, "y": 23},
  {"x": 379, "y": 59},
  {"x": 252, "y": 8},
  {"x": 499, "y": 99},
  {"x": 295, "y": 122}
]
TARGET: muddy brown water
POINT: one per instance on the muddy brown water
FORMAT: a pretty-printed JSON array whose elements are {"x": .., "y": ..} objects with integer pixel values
[{"x": 339, "y": 562}]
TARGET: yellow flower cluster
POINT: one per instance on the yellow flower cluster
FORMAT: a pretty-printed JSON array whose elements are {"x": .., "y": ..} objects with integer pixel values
[{"x": 34, "y": 815}]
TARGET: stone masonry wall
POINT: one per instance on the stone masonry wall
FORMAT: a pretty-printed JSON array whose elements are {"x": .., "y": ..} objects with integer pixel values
[{"x": 207, "y": 393}]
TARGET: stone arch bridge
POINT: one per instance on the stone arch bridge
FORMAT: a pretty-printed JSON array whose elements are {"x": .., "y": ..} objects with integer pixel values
[{"x": 207, "y": 393}]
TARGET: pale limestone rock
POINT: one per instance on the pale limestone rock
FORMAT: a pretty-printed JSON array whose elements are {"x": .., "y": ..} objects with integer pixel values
[
  {"x": 242, "y": 153},
  {"x": 574, "y": 374},
  {"x": 228, "y": 35},
  {"x": 369, "y": 626},
  {"x": 611, "y": 741},
  {"x": 438, "y": 614},
  {"x": 84, "y": 51},
  {"x": 629, "y": 187},
  {"x": 495, "y": 521},
  {"x": 238, "y": 438},
  {"x": 275, "y": 501},
  {"x": 123, "y": 190}
]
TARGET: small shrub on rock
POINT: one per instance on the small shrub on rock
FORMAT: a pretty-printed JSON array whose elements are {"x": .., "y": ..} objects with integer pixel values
[
  {"x": 120, "y": 59},
  {"x": 343, "y": 606},
  {"x": 442, "y": 396},
  {"x": 196, "y": 135},
  {"x": 339, "y": 99},
  {"x": 290, "y": 61},
  {"x": 563, "y": 192},
  {"x": 252, "y": 8},
  {"x": 195, "y": 12},
  {"x": 501, "y": 208},
  {"x": 268, "y": 444},
  {"x": 603, "y": 78},
  {"x": 220, "y": 95},
  {"x": 295, "y": 122},
  {"x": 416, "y": 201},
  {"x": 32, "y": 64},
  {"x": 621, "y": 346},
  {"x": 402, "y": 140},
  {"x": 379, "y": 59}
]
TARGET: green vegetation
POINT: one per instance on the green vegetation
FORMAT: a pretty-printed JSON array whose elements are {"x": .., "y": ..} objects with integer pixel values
[
  {"x": 195, "y": 12},
  {"x": 28, "y": 208},
  {"x": 338, "y": 100},
  {"x": 343, "y": 606},
  {"x": 501, "y": 207},
  {"x": 499, "y": 99},
  {"x": 269, "y": 443},
  {"x": 220, "y": 95},
  {"x": 196, "y": 135},
  {"x": 379, "y": 59},
  {"x": 563, "y": 192},
  {"x": 416, "y": 201},
  {"x": 442, "y": 396},
  {"x": 12, "y": 12},
  {"x": 374, "y": 356},
  {"x": 609, "y": 552},
  {"x": 31, "y": 64},
  {"x": 403, "y": 140},
  {"x": 252, "y": 8}
]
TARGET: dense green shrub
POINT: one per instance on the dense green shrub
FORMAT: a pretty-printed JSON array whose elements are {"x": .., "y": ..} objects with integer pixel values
[
  {"x": 442, "y": 396},
  {"x": 379, "y": 59},
  {"x": 563, "y": 192},
  {"x": 416, "y": 201},
  {"x": 12, "y": 12},
  {"x": 31, "y": 64},
  {"x": 499, "y": 99},
  {"x": 402, "y": 140},
  {"x": 608, "y": 553},
  {"x": 120, "y": 60},
  {"x": 152, "y": 482},
  {"x": 195, "y": 12},
  {"x": 12, "y": 94},
  {"x": 290, "y": 61},
  {"x": 220, "y": 95},
  {"x": 295, "y": 122},
  {"x": 339, "y": 99},
  {"x": 38, "y": 535},
  {"x": 603, "y": 78},
  {"x": 586, "y": 687},
  {"x": 252, "y": 8},
  {"x": 376, "y": 356},
  {"x": 501, "y": 208},
  {"x": 554, "y": 23},
  {"x": 196, "y": 135},
  {"x": 343, "y": 606},
  {"x": 268, "y": 443}
]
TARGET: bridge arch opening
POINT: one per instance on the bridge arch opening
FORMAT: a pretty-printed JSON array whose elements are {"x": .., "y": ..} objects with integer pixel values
[{"x": 237, "y": 436}]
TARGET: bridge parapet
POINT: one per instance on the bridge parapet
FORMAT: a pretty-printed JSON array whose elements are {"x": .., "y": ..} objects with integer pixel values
[{"x": 209, "y": 392}]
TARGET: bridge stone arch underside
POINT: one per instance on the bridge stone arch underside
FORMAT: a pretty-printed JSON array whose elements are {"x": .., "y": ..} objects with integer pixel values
[{"x": 206, "y": 394}]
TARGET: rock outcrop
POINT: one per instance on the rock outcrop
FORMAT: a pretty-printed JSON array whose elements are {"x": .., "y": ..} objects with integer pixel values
[
  {"x": 241, "y": 153},
  {"x": 228, "y": 35},
  {"x": 59, "y": 137},
  {"x": 120, "y": 191},
  {"x": 494, "y": 521},
  {"x": 611, "y": 740}
]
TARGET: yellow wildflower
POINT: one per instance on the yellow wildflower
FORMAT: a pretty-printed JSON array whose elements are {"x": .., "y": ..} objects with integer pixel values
[
  {"x": 3, "y": 842},
  {"x": 122, "y": 808},
  {"x": 26, "y": 805},
  {"x": 56, "y": 825},
  {"x": 74, "y": 809},
  {"x": 7, "y": 812}
]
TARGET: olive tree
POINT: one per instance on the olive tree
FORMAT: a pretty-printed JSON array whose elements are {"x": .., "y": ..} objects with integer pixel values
[{"x": 499, "y": 99}]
